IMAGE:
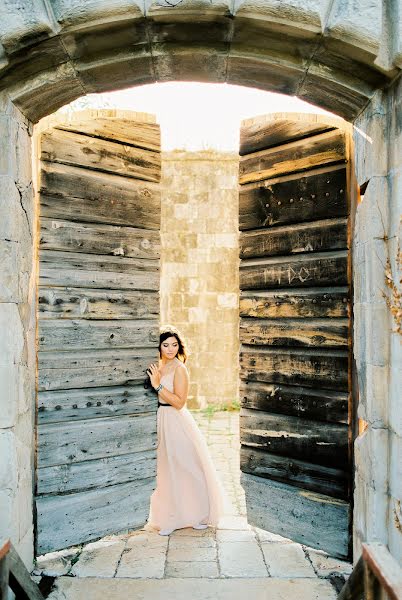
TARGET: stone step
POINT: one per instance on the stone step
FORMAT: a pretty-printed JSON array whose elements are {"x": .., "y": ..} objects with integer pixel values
[{"x": 91, "y": 588}]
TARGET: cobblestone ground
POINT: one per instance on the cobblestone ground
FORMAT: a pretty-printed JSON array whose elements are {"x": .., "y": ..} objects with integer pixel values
[{"x": 235, "y": 551}]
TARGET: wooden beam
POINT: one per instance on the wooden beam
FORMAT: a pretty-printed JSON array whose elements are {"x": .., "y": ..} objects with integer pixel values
[
  {"x": 100, "y": 155},
  {"x": 385, "y": 569},
  {"x": 313, "y": 302},
  {"x": 312, "y": 152},
  {"x": 20, "y": 580},
  {"x": 294, "y": 199}
]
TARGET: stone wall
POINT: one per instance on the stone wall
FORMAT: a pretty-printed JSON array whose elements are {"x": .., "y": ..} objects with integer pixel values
[
  {"x": 199, "y": 270},
  {"x": 378, "y": 349},
  {"x": 17, "y": 324}
]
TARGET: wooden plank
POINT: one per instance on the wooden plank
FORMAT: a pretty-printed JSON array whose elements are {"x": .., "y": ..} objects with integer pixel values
[
  {"x": 92, "y": 271},
  {"x": 323, "y": 333},
  {"x": 91, "y": 403},
  {"x": 321, "y": 405},
  {"x": 5, "y": 546},
  {"x": 354, "y": 586},
  {"x": 384, "y": 568},
  {"x": 327, "y": 369},
  {"x": 303, "y": 270},
  {"x": 324, "y": 480},
  {"x": 124, "y": 131},
  {"x": 98, "y": 368},
  {"x": 71, "y": 236},
  {"x": 4, "y": 575},
  {"x": 98, "y": 473},
  {"x": 56, "y": 334},
  {"x": 311, "y": 441},
  {"x": 315, "y": 151},
  {"x": 87, "y": 196},
  {"x": 282, "y": 508},
  {"x": 83, "y": 303},
  {"x": 317, "y": 195},
  {"x": 20, "y": 581},
  {"x": 314, "y": 302},
  {"x": 256, "y": 135},
  {"x": 316, "y": 236},
  {"x": 68, "y": 519},
  {"x": 95, "y": 438},
  {"x": 100, "y": 155}
]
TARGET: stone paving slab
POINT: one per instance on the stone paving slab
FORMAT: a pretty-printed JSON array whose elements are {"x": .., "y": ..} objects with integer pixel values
[
  {"x": 324, "y": 565},
  {"x": 70, "y": 588},
  {"x": 99, "y": 559},
  {"x": 205, "y": 569},
  {"x": 241, "y": 559},
  {"x": 286, "y": 560}
]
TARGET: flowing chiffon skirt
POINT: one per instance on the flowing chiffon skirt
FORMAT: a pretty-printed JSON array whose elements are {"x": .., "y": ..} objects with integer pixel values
[{"x": 188, "y": 490}]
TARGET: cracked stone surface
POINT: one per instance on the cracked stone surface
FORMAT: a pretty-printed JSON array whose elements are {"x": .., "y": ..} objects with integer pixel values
[{"x": 234, "y": 555}]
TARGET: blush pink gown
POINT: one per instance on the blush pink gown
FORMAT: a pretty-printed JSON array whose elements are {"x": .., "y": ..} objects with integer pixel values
[{"x": 188, "y": 490}]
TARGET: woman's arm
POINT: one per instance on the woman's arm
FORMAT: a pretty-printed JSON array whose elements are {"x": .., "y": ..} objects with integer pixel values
[{"x": 180, "y": 386}]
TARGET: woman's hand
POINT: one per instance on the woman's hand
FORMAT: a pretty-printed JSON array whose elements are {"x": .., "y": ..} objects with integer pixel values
[{"x": 154, "y": 375}]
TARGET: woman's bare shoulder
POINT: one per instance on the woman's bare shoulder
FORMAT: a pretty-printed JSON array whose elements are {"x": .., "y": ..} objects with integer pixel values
[{"x": 181, "y": 367}]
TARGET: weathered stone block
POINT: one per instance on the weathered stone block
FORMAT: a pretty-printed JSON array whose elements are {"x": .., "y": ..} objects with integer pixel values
[
  {"x": 74, "y": 13},
  {"x": 395, "y": 528},
  {"x": 371, "y": 151},
  {"x": 12, "y": 340},
  {"x": 9, "y": 395},
  {"x": 8, "y": 463},
  {"x": 356, "y": 27},
  {"x": 23, "y": 22}
]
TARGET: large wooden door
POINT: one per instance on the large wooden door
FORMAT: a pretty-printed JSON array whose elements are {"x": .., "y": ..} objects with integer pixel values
[
  {"x": 98, "y": 321},
  {"x": 296, "y": 416}
]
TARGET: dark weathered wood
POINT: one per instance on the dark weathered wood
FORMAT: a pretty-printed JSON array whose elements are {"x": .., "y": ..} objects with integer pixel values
[
  {"x": 324, "y": 333},
  {"x": 123, "y": 131},
  {"x": 304, "y": 270},
  {"x": 321, "y": 405},
  {"x": 321, "y": 443},
  {"x": 256, "y": 134},
  {"x": 20, "y": 581},
  {"x": 95, "y": 438},
  {"x": 314, "y": 519},
  {"x": 92, "y": 514},
  {"x": 97, "y": 329},
  {"x": 295, "y": 329},
  {"x": 91, "y": 403},
  {"x": 98, "y": 368},
  {"x": 100, "y": 155},
  {"x": 83, "y": 303},
  {"x": 5, "y": 546},
  {"x": 89, "y": 270},
  {"x": 315, "y": 302},
  {"x": 354, "y": 586},
  {"x": 309, "y": 476},
  {"x": 59, "y": 334},
  {"x": 71, "y": 236},
  {"x": 385, "y": 572},
  {"x": 87, "y": 196},
  {"x": 96, "y": 473},
  {"x": 294, "y": 199},
  {"x": 327, "y": 369},
  {"x": 316, "y": 236},
  {"x": 312, "y": 152}
]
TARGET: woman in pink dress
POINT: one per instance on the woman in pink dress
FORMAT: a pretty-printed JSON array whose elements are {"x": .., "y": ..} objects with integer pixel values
[{"x": 188, "y": 491}]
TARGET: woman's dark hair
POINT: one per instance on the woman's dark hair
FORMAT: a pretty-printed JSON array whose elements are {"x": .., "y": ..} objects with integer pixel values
[{"x": 168, "y": 332}]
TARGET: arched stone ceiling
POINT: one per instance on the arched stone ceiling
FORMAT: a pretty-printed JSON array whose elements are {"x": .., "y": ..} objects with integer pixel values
[{"x": 333, "y": 53}]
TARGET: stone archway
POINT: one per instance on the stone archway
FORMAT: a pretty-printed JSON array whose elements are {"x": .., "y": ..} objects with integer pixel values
[{"x": 327, "y": 53}]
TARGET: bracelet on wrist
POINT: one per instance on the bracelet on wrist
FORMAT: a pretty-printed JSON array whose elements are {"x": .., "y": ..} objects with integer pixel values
[{"x": 158, "y": 389}]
